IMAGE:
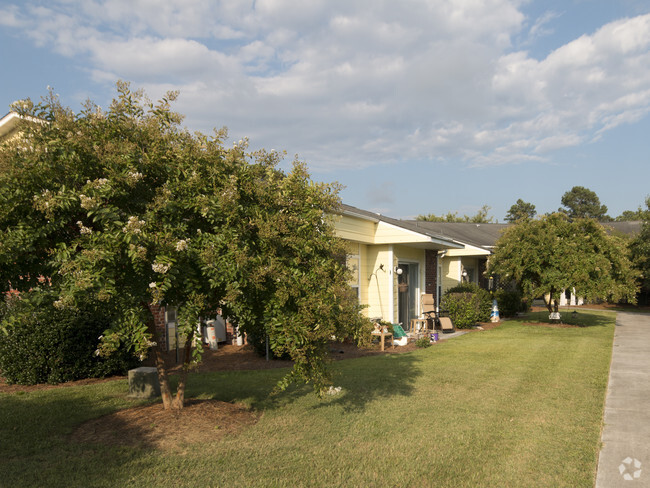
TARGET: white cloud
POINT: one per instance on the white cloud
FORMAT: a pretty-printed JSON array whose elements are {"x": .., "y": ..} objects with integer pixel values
[
  {"x": 540, "y": 27},
  {"x": 364, "y": 82}
]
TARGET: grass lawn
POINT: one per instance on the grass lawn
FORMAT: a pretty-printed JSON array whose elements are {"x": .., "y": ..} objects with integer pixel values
[{"x": 519, "y": 405}]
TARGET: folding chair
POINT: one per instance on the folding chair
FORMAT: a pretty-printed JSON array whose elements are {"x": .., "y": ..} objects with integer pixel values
[{"x": 429, "y": 311}]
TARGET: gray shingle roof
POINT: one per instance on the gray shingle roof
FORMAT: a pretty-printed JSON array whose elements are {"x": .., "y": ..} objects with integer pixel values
[{"x": 478, "y": 235}]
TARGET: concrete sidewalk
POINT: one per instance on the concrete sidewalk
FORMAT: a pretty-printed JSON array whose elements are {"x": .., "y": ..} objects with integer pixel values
[{"x": 625, "y": 454}]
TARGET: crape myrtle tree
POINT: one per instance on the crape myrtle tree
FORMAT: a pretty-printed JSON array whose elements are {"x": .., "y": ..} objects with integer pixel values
[
  {"x": 126, "y": 208},
  {"x": 553, "y": 253}
]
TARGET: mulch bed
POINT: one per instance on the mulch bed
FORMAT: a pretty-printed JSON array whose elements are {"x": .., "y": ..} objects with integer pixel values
[{"x": 152, "y": 427}]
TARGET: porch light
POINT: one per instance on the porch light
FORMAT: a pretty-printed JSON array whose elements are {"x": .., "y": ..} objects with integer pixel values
[{"x": 398, "y": 270}]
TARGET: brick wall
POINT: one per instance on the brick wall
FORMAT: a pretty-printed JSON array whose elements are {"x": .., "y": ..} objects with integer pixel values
[
  {"x": 158, "y": 312},
  {"x": 430, "y": 271}
]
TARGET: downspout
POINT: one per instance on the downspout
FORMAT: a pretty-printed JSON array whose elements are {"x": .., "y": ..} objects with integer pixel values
[
  {"x": 391, "y": 285},
  {"x": 439, "y": 271}
]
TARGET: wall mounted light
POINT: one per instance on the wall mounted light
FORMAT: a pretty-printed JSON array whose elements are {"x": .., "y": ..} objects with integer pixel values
[{"x": 398, "y": 270}]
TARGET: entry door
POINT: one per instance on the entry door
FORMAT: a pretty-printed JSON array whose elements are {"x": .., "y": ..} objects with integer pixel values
[{"x": 407, "y": 293}]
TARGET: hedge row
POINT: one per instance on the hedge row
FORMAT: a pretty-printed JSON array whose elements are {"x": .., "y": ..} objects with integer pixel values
[{"x": 41, "y": 344}]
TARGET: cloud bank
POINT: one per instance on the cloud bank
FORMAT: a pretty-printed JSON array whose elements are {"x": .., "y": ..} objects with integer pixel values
[{"x": 354, "y": 84}]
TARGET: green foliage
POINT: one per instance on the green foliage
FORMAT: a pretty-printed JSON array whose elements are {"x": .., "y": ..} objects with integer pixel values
[
  {"x": 510, "y": 303},
  {"x": 521, "y": 211},
  {"x": 482, "y": 299},
  {"x": 124, "y": 207},
  {"x": 640, "y": 249},
  {"x": 582, "y": 203},
  {"x": 553, "y": 253},
  {"x": 631, "y": 215},
  {"x": 423, "y": 342},
  {"x": 41, "y": 344},
  {"x": 467, "y": 304},
  {"x": 481, "y": 217}
]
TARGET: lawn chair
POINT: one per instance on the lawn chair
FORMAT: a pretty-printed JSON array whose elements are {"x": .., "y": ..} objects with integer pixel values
[{"x": 429, "y": 311}]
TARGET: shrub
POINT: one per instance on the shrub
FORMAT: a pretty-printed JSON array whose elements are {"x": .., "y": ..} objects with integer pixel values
[
  {"x": 423, "y": 342},
  {"x": 256, "y": 338},
  {"x": 42, "y": 344},
  {"x": 510, "y": 302},
  {"x": 467, "y": 304}
]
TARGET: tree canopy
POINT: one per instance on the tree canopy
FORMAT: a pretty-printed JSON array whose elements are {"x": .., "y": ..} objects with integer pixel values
[
  {"x": 481, "y": 217},
  {"x": 554, "y": 253},
  {"x": 582, "y": 203},
  {"x": 639, "y": 214},
  {"x": 640, "y": 247},
  {"x": 127, "y": 208},
  {"x": 521, "y": 211}
]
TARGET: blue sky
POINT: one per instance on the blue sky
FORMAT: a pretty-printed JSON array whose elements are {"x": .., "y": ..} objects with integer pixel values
[{"x": 415, "y": 106}]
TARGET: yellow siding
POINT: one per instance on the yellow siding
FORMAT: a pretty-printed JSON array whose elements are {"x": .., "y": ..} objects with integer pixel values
[
  {"x": 377, "y": 281},
  {"x": 363, "y": 275},
  {"x": 389, "y": 234},
  {"x": 468, "y": 251},
  {"x": 354, "y": 229},
  {"x": 450, "y": 273}
]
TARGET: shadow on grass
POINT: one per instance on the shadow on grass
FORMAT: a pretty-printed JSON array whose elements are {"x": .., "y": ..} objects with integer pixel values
[
  {"x": 36, "y": 428},
  {"x": 37, "y": 450},
  {"x": 573, "y": 317},
  {"x": 362, "y": 380}
]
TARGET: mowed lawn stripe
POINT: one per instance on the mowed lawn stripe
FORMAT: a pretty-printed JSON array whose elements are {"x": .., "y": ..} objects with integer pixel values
[{"x": 520, "y": 405}]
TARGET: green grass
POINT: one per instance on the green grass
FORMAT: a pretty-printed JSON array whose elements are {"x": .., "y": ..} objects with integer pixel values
[{"x": 515, "y": 406}]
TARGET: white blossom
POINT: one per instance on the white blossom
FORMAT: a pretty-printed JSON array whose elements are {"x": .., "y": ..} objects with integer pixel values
[
  {"x": 134, "y": 176},
  {"x": 160, "y": 267},
  {"x": 133, "y": 225},
  {"x": 83, "y": 229},
  {"x": 58, "y": 304},
  {"x": 182, "y": 245},
  {"x": 152, "y": 285},
  {"x": 86, "y": 201}
]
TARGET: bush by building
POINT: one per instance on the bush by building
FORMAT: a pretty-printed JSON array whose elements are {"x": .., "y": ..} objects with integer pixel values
[
  {"x": 43, "y": 344},
  {"x": 466, "y": 305}
]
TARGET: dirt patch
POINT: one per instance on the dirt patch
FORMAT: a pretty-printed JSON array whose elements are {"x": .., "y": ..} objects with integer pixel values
[
  {"x": 153, "y": 427},
  {"x": 231, "y": 357},
  {"x": 227, "y": 358},
  {"x": 488, "y": 325}
]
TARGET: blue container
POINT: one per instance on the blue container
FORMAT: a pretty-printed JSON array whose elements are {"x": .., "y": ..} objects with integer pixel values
[{"x": 434, "y": 337}]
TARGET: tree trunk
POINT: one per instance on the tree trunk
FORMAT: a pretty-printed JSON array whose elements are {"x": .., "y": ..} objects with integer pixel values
[
  {"x": 163, "y": 379},
  {"x": 553, "y": 306},
  {"x": 179, "y": 402}
]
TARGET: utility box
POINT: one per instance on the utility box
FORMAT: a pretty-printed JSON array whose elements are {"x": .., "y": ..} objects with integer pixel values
[{"x": 143, "y": 382}]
